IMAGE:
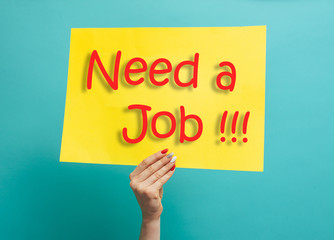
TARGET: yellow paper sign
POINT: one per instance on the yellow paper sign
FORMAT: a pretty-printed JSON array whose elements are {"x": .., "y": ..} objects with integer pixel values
[{"x": 198, "y": 91}]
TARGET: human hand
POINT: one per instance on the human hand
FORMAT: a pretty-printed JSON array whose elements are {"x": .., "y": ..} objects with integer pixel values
[{"x": 147, "y": 182}]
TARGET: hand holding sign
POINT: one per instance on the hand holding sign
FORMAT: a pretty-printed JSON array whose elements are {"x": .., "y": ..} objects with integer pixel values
[
  {"x": 147, "y": 182},
  {"x": 148, "y": 179}
]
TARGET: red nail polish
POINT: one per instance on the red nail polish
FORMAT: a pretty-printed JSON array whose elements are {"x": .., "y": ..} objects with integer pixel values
[
  {"x": 164, "y": 151},
  {"x": 172, "y": 169}
]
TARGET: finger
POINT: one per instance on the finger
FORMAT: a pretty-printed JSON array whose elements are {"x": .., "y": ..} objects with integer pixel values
[
  {"x": 154, "y": 168},
  {"x": 160, "y": 173},
  {"x": 160, "y": 182},
  {"x": 147, "y": 162}
]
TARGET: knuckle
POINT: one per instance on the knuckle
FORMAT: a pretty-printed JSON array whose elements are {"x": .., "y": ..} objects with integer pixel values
[
  {"x": 161, "y": 182},
  {"x": 134, "y": 186},
  {"x": 140, "y": 190},
  {"x": 165, "y": 159},
  {"x": 144, "y": 162},
  {"x": 157, "y": 175},
  {"x": 131, "y": 176},
  {"x": 157, "y": 154},
  {"x": 148, "y": 193},
  {"x": 150, "y": 169}
]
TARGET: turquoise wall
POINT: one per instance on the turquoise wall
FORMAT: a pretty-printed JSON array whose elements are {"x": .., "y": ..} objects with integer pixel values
[{"x": 41, "y": 198}]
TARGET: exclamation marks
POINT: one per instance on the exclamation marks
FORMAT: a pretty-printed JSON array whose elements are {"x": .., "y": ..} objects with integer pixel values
[
  {"x": 244, "y": 126},
  {"x": 234, "y": 125},
  {"x": 222, "y": 125}
]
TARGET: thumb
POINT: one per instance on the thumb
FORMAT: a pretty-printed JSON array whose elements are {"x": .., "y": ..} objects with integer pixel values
[{"x": 161, "y": 192}]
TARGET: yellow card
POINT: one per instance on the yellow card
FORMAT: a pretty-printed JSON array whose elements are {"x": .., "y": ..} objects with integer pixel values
[{"x": 200, "y": 92}]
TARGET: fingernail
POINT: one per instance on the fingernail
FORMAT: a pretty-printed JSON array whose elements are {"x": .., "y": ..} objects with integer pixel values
[
  {"x": 164, "y": 151},
  {"x": 169, "y": 155},
  {"x": 173, "y": 159},
  {"x": 172, "y": 168}
]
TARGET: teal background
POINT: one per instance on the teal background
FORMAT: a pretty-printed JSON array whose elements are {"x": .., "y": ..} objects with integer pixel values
[{"x": 41, "y": 198}]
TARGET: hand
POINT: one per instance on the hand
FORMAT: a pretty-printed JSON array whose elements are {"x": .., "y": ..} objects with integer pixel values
[{"x": 147, "y": 182}]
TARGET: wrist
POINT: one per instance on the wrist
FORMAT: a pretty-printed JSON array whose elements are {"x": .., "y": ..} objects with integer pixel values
[
  {"x": 150, "y": 219},
  {"x": 150, "y": 228}
]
